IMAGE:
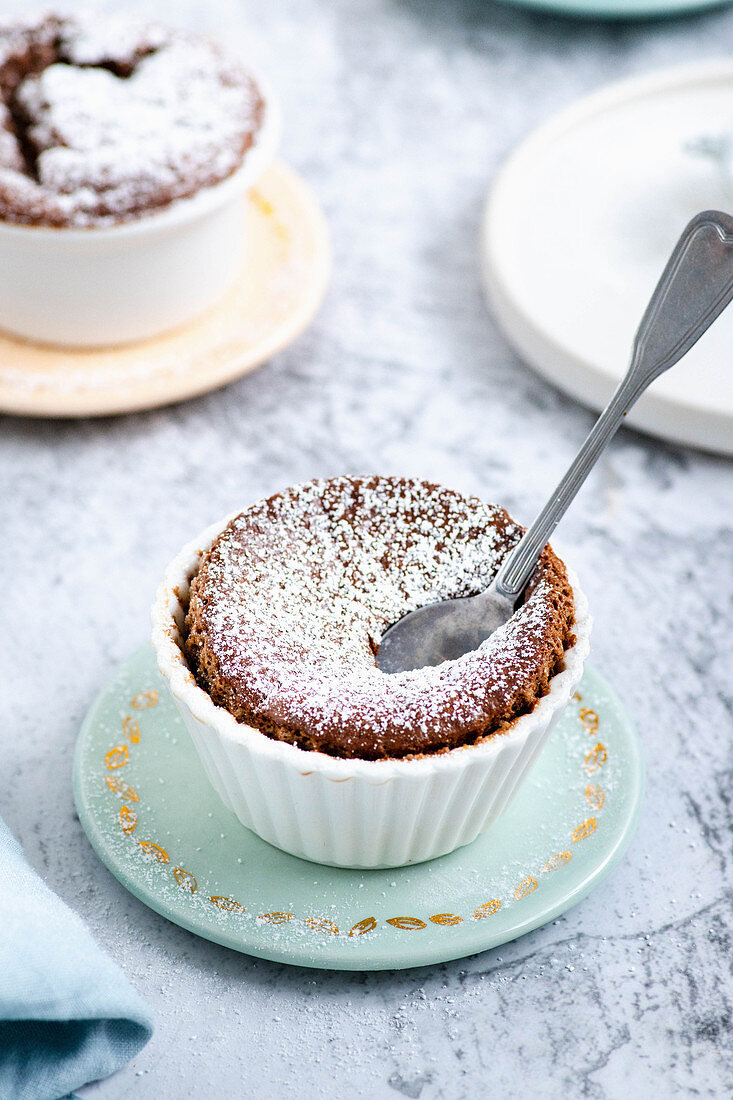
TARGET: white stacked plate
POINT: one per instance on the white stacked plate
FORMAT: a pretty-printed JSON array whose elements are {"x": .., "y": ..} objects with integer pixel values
[{"x": 578, "y": 228}]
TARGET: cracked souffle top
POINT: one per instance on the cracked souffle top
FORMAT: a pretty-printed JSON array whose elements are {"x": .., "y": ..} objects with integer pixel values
[
  {"x": 102, "y": 121},
  {"x": 288, "y": 606}
]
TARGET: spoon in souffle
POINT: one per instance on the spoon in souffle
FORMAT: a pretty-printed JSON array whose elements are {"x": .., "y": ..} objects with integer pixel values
[{"x": 695, "y": 287}]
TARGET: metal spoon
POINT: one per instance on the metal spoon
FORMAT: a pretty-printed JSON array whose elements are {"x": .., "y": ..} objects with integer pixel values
[{"x": 696, "y": 286}]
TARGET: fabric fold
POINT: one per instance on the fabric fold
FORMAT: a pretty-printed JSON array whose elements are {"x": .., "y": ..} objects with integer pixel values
[{"x": 68, "y": 1015}]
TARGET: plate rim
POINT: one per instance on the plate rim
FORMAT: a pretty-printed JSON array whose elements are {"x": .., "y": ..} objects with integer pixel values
[
  {"x": 663, "y": 416},
  {"x": 431, "y": 954}
]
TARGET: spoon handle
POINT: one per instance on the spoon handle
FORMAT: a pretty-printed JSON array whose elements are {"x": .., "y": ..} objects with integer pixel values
[{"x": 695, "y": 287}]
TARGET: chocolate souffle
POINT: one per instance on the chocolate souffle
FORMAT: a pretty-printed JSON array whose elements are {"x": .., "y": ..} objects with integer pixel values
[
  {"x": 289, "y": 604},
  {"x": 102, "y": 121}
]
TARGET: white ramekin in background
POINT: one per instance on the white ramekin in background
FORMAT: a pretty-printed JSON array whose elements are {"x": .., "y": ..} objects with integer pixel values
[
  {"x": 352, "y": 813},
  {"x": 121, "y": 283}
]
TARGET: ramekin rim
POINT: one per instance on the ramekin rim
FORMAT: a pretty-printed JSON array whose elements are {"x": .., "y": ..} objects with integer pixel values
[
  {"x": 181, "y": 211},
  {"x": 183, "y": 686}
]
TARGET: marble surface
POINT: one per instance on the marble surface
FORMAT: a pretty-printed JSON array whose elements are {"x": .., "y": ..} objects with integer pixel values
[{"x": 399, "y": 112}]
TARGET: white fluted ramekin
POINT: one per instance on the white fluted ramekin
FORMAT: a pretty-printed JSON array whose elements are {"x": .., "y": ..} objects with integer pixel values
[
  {"x": 118, "y": 284},
  {"x": 352, "y": 813}
]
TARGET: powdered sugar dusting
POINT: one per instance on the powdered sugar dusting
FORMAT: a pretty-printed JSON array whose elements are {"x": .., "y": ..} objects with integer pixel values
[
  {"x": 296, "y": 594},
  {"x": 112, "y": 119}
]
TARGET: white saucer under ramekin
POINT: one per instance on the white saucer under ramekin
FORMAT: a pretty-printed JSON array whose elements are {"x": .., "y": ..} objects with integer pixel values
[
  {"x": 578, "y": 227},
  {"x": 345, "y": 812},
  {"x": 118, "y": 284}
]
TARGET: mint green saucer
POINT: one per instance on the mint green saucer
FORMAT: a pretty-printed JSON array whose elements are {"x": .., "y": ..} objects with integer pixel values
[{"x": 153, "y": 819}]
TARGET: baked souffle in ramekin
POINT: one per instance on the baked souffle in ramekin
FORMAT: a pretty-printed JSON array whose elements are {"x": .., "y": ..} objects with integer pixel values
[
  {"x": 126, "y": 152},
  {"x": 267, "y": 628},
  {"x": 103, "y": 120},
  {"x": 289, "y": 604}
]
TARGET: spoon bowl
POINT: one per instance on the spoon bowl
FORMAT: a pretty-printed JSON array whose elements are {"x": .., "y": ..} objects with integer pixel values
[{"x": 442, "y": 631}]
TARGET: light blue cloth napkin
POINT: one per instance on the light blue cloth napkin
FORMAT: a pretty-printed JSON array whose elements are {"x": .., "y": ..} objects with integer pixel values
[{"x": 67, "y": 1013}]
